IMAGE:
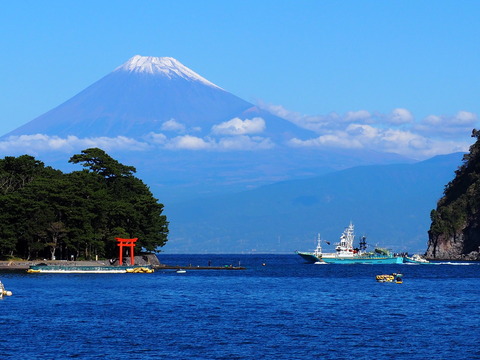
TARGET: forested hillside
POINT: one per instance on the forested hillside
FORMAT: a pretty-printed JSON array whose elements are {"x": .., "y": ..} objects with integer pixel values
[
  {"x": 46, "y": 213},
  {"x": 455, "y": 228}
]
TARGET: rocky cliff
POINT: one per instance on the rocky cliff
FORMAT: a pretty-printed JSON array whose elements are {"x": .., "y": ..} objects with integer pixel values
[{"x": 455, "y": 230}]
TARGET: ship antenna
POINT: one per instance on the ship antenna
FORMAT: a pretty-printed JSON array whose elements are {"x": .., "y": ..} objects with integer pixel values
[
  {"x": 363, "y": 243},
  {"x": 318, "y": 250}
]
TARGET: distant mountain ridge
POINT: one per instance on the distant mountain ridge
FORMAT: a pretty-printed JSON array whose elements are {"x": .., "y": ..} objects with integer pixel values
[{"x": 388, "y": 203}]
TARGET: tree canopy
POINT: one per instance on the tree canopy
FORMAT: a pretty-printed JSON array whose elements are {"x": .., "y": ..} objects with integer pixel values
[
  {"x": 99, "y": 162},
  {"x": 50, "y": 214}
]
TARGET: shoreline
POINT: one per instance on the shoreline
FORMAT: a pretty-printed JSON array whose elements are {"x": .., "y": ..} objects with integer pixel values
[{"x": 25, "y": 265}]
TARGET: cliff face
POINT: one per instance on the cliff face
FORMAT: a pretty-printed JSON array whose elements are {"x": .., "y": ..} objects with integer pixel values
[
  {"x": 455, "y": 230},
  {"x": 463, "y": 245}
]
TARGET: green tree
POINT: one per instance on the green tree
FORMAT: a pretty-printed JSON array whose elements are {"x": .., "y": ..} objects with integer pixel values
[
  {"x": 461, "y": 198},
  {"x": 99, "y": 162},
  {"x": 129, "y": 206},
  {"x": 22, "y": 215},
  {"x": 17, "y": 172},
  {"x": 46, "y": 213}
]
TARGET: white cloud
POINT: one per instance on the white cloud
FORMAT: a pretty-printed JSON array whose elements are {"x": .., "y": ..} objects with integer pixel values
[
  {"x": 418, "y": 146},
  {"x": 432, "y": 120},
  {"x": 172, "y": 125},
  {"x": 465, "y": 118},
  {"x": 400, "y": 116},
  {"x": 280, "y": 111},
  {"x": 40, "y": 143},
  {"x": 230, "y": 143},
  {"x": 245, "y": 143},
  {"x": 361, "y": 115},
  {"x": 314, "y": 123},
  {"x": 188, "y": 142},
  {"x": 397, "y": 131},
  {"x": 156, "y": 138},
  {"x": 335, "y": 140},
  {"x": 406, "y": 143},
  {"x": 238, "y": 126},
  {"x": 331, "y": 121},
  {"x": 366, "y": 132},
  {"x": 448, "y": 127}
]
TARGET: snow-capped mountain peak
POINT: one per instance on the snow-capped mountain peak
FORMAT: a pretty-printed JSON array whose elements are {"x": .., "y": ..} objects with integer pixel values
[{"x": 166, "y": 66}]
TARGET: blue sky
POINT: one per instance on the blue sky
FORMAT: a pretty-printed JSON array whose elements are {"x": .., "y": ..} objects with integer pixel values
[{"x": 402, "y": 70}]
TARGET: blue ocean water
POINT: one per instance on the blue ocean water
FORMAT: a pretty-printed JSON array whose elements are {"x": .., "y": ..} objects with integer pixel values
[{"x": 284, "y": 310}]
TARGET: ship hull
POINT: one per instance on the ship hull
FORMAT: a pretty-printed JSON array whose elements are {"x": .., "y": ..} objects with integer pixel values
[
  {"x": 308, "y": 257},
  {"x": 408, "y": 260},
  {"x": 363, "y": 260}
]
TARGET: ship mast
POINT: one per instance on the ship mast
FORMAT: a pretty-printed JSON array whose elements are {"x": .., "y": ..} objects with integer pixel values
[
  {"x": 346, "y": 239},
  {"x": 318, "y": 249},
  {"x": 363, "y": 243}
]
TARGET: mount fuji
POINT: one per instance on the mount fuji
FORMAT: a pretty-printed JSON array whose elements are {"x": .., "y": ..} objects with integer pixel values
[
  {"x": 153, "y": 95},
  {"x": 186, "y": 136}
]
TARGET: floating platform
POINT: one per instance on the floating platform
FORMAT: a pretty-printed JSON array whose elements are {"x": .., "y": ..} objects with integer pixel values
[
  {"x": 79, "y": 269},
  {"x": 66, "y": 269},
  {"x": 189, "y": 267}
]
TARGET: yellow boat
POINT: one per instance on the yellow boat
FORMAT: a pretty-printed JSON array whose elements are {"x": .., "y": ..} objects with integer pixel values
[{"x": 397, "y": 278}]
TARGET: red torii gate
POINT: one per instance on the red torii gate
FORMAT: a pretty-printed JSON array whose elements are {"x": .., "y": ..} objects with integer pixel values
[{"x": 126, "y": 242}]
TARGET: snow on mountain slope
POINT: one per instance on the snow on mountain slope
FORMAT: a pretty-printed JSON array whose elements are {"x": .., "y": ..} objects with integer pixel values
[{"x": 166, "y": 66}]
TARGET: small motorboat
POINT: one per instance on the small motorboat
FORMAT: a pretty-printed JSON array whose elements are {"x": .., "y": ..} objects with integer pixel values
[
  {"x": 4, "y": 292},
  {"x": 415, "y": 259},
  {"x": 181, "y": 271}
]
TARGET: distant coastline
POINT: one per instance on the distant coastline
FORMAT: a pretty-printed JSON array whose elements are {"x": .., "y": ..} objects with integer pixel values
[
  {"x": 24, "y": 265},
  {"x": 150, "y": 259},
  {"x": 147, "y": 259}
]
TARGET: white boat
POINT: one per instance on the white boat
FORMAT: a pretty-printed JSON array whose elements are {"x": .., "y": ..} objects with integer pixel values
[
  {"x": 181, "y": 271},
  {"x": 416, "y": 259},
  {"x": 312, "y": 257},
  {"x": 4, "y": 292}
]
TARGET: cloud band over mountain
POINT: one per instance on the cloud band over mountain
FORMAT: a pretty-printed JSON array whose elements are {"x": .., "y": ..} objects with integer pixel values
[
  {"x": 396, "y": 132},
  {"x": 158, "y": 103}
]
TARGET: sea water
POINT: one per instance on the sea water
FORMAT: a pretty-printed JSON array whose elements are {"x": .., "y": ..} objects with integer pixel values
[{"x": 278, "y": 308}]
